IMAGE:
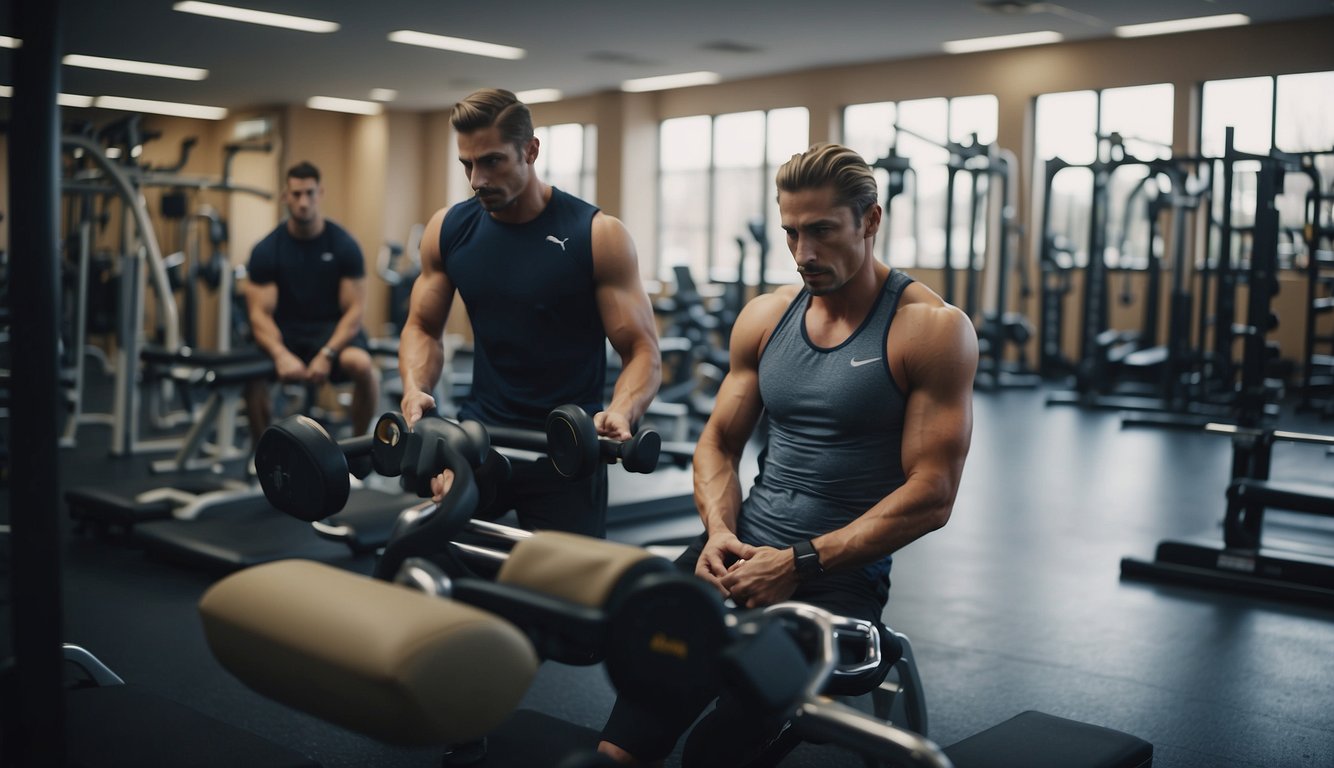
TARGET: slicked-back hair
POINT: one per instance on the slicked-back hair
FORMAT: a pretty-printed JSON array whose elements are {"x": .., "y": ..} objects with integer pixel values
[
  {"x": 837, "y": 167},
  {"x": 494, "y": 106},
  {"x": 304, "y": 170}
]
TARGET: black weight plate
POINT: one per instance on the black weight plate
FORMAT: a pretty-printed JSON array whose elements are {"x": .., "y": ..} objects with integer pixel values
[{"x": 301, "y": 469}]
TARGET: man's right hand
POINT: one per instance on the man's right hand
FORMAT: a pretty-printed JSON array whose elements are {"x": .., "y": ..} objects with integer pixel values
[
  {"x": 719, "y": 552},
  {"x": 290, "y": 368},
  {"x": 414, "y": 404}
]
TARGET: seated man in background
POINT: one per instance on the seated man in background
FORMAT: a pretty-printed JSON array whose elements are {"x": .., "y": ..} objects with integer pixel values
[
  {"x": 866, "y": 378},
  {"x": 306, "y": 296}
]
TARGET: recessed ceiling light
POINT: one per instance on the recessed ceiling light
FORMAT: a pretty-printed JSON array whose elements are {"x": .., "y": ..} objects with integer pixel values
[
  {"x": 135, "y": 67},
  {"x": 354, "y": 106},
  {"x": 383, "y": 94},
  {"x": 456, "y": 44},
  {"x": 1020, "y": 40},
  {"x": 539, "y": 95},
  {"x": 160, "y": 107},
  {"x": 252, "y": 16},
  {"x": 663, "y": 82},
  {"x": 1182, "y": 25}
]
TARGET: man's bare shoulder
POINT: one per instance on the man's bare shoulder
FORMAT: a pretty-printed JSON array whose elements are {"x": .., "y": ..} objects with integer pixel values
[{"x": 767, "y": 308}]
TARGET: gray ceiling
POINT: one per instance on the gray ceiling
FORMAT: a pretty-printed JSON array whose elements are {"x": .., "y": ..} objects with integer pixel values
[{"x": 578, "y": 46}]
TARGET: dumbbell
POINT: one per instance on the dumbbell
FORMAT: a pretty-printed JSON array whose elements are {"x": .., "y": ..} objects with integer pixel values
[
  {"x": 304, "y": 471},
  {"x": 575, "y": 448}
]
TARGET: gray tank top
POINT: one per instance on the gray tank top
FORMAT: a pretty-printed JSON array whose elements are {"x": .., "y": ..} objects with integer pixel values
[{"x": 835, "y": 428}]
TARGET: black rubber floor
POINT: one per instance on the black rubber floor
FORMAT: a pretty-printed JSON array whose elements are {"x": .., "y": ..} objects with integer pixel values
[{"x": 1016, "y": 604}]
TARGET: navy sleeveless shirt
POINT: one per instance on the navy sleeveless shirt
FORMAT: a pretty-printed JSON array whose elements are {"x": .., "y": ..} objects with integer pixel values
[
  {"x": 835, "y": 428},
  {"x": 538, "y": 339}
]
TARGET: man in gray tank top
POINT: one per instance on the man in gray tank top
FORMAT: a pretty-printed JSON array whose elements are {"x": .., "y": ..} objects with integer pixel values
[{"x": 866, "y": 378}]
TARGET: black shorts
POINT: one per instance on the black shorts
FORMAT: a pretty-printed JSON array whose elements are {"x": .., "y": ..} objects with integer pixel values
[
  {"x": 306, "y": 343},
  {"x": 651, "y": 735}
]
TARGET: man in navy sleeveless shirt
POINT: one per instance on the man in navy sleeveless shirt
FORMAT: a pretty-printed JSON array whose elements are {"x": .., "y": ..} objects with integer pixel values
[
  {"x": 306, "y": 297},
  {"x": 547, "y": 280},
  {"x": 866, "y": 379}
]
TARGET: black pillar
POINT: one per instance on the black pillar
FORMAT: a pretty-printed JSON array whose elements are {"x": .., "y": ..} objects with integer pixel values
[{"x": 35, "y": 719}]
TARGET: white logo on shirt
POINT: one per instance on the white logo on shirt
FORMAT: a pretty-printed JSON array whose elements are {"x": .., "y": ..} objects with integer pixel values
[
  {"x": 326, "y": 256},
  {"x": 557, "y": 241},
  {"x": 859, "y": 363}
]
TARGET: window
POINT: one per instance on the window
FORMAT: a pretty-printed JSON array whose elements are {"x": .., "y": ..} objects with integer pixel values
[
  {"x": 1081, "y": 127},
  {"x": 567, "y": 158},
  {"x": 1289, "y": 113},
  {"x": 913, "y": 232},
  {"x": 716, "y": 177}
]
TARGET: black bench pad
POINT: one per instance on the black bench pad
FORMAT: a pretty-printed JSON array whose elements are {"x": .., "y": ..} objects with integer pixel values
[{"x": 1038, "y": 740}]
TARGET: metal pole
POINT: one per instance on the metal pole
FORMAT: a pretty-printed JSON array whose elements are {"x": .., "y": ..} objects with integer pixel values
[{"x": 35, "y": 717}]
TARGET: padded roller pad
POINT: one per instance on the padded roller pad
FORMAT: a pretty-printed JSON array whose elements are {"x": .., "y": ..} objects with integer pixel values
[
  {"x": 570, "y": 567},
  {"x": 397, "y": 665},
  {"x": 1038, "y": 740}
]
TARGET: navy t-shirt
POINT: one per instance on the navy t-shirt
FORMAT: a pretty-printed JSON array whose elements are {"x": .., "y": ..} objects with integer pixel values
[{"x": 308, "y": 273}]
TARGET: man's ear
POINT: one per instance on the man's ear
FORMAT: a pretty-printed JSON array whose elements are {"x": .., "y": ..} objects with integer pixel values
[{"x": 871, "y": 220}]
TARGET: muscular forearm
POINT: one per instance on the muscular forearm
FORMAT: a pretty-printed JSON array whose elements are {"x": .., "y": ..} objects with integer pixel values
[
  {"x": 717, "y": 489},
  {"x": 637, "y": 385},
  {"x": 914, "y": 510},
  {"x": 267, "y": 336},
  {"x": 346, "y": 330},
  {"x": 421, "y": 358}
]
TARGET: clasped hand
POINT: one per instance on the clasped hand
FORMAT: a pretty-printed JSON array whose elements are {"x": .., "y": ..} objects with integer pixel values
[{"x": 751, "y": 576}]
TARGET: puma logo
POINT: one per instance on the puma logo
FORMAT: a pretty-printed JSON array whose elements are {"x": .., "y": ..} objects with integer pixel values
[
  {"x": 859, "y": 363},
  {"x": 558, "y": 241}
]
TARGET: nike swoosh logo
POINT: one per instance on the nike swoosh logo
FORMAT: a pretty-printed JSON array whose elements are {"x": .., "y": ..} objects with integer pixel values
[{"x": 859, "y": 363}]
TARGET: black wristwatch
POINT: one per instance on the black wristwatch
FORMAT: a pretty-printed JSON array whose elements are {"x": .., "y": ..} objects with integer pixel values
[{"x": 807, "y": 560}]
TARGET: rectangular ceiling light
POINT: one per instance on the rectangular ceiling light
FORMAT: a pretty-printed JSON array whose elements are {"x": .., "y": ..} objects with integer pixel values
[
  {"x": 135, "y": 67},
  {"x": 74, "y": 100},
  {"x": 1182, "y": 25},
  {"x": 663, "y": 82},
  {"x": 251, "y": 16},
  {"x": 63, "y": 99},
  {"x": 10, "y": 42},
  {"x": 354, "y": 106},
  {"x": 160, "y": 107},
  {"x": 975, "y": 44},
  {"x": 383, "y": 94},
  {"x": 539, "y": 95},
  {"x": 457, "y": 44}
]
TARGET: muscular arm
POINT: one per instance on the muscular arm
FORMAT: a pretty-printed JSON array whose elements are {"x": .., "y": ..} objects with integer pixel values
[
  {"x": 352, "y": 300},
  {"x": 421, "y": 352},
  {"x": 940, "y": 360},
  {"x": 627, "y": 317},
  {"x": 720, "y": 446},
  {"x": 262, "y": 302}
]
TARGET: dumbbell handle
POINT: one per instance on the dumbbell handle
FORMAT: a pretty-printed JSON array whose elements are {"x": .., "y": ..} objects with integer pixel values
[
  {"x": 638, "y": 454},
  {"x": 521, "y": 439}
]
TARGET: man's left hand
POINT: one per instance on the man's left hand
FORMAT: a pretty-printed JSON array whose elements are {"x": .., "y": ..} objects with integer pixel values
[
  {"x": 768, "y": 576},
  {"x": 613, "y": 425},
  {"x": 318, "y": 369}
]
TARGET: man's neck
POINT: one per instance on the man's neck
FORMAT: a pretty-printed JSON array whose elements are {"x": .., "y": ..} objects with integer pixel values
[
  {"x": 527, "y": 206},
  {"x": 304, "y": 231},
  {"x": 856, "y": 296}
]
